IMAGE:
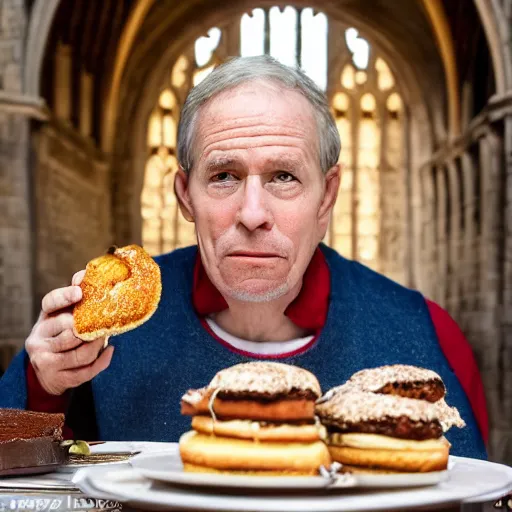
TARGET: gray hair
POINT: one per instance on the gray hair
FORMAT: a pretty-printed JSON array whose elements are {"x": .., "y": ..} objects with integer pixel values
[{"x": 240, "y": 70}]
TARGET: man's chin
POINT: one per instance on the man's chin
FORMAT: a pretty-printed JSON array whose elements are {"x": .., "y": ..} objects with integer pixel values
[{"x": 256, "y": 296}]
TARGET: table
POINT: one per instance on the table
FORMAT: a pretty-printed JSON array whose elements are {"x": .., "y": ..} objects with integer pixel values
[
  {"x": 75, "y": 501},
  {"x": 55, "y": 492}
]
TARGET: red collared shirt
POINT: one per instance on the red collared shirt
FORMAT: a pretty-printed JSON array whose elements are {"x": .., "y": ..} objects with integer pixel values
[{"x": 309, "y": 311}]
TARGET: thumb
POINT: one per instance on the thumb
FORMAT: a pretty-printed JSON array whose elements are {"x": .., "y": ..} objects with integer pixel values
[{"x": 78, "y": 278}]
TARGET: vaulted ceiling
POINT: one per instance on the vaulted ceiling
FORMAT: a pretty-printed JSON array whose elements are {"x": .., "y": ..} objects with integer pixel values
[{"x": 94, "y": 29}]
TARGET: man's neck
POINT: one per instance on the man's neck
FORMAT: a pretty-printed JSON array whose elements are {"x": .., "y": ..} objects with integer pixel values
[{"x": 260, "y": 321}]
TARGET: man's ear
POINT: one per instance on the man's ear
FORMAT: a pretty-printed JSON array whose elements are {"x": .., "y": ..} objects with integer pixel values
[
  {"x": 332, "y": 184},
  {"x": 181, "y": 182}
]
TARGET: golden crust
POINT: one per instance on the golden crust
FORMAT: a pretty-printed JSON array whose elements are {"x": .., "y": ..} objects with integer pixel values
[
  {"x": 355, "y": 470},
  {"x": 253, "y": 430},
  {"x": 120, "y": 291},
  {"x": 223, "y": 453},
  {"x": 382, "y": 442},
  {"x": 395, "y": 460},
  {"x": 194, "y": 468}
]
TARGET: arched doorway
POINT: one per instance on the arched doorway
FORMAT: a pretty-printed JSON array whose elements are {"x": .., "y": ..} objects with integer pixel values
[{"x": 368, "y": 221}]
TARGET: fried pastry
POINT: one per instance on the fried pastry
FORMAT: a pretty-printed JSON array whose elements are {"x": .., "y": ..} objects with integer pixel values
[{"x": 120, "y": 291}]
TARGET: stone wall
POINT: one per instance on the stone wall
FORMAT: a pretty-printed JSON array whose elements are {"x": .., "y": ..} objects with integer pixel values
[
  {"x": 12, "y": 31},
  {"x": 15, "y": 225},
  {"x": 73, "y": 212},
  {"x": 393, "y": 202},
  {"x": 15, "y": 240},
  {"x": 464, "y": 254}
]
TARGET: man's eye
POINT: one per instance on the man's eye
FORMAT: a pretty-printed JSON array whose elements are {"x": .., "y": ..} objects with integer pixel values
[
  {"x": 284, "y": 177},
  {"x": 222, "y": 176}
]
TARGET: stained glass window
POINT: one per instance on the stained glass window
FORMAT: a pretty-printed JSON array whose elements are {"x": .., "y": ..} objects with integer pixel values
[
  {"x": 367, "y": 220},
  {"x": 252, "y": 33},
  {"x": 313, "y": 57}
]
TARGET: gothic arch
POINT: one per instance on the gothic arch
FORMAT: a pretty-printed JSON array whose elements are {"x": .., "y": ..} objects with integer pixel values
[
  {"x": 123, "y": 52},
  {"x": 41, "y": 19},
  {"x": 43, "y": 13},
  {"x": 495, "y": 24},
  {"x": 437, "y": 15}
]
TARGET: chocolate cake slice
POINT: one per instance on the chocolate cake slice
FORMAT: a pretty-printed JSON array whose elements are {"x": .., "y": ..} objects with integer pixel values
[{"x": 30, "y": 442}]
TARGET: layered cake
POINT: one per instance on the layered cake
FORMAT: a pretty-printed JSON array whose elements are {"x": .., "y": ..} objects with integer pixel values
[
  {"x": 389, "y": 419},
  {"x": 255, "y": 418},
  {"x": 30, "y": 441}
]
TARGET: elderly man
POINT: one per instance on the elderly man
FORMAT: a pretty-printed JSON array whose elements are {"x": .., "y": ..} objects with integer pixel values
[{"x": 258, "y": 150}]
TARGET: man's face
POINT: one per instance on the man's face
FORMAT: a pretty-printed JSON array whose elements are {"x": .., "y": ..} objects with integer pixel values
[{"x": 256, "y": 193}]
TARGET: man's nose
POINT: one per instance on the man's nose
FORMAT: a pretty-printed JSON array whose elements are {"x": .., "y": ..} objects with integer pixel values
[{"x": 254, "y": 212}]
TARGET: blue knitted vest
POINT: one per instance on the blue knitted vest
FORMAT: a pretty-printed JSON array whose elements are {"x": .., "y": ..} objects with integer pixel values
[{"x": 371, "y": 321}]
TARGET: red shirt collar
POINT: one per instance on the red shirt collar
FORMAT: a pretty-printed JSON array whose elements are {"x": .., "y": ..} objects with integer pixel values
[{"x": 308, "y": 310}]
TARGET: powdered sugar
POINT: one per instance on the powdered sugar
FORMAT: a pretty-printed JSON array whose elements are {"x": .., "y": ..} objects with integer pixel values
[
  {"x": 374, "y": 379},
  {"x": 351, "y": 405},
  {"x": 265, "y": 378},
  {"x": 358, "y": 399}
]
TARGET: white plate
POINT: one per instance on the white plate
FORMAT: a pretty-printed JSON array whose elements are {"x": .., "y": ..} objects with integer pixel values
[
  {"x": 132, "y": 446},
  {"x": 167, "y": 467},
  {"x": 467, "y": 480},
  {"x": 118, "y": 447}
]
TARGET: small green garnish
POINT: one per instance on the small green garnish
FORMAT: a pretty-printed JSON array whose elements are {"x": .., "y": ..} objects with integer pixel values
[{"x": 76, "y": 447}]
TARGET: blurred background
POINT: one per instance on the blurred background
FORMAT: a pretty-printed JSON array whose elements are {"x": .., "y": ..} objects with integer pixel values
[{"x": 90, "y": 96}]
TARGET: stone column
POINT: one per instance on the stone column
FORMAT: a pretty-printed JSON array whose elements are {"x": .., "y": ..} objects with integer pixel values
[
  {"x": 428, "y": 276},
  {"x": 442, "y": 253},
  {"x": 487, "y": 316},
  {"x": 505, "y": 434},
  {"x": 469, "y": 256},
  {"x": 453, "y": 242},
  {"x": 16, "y": 312}
]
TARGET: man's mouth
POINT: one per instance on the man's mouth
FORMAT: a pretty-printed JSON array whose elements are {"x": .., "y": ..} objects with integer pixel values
[{"x": 254, "y": 254}]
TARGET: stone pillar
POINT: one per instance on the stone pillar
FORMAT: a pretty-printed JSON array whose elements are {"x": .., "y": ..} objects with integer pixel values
[
  {"x": 453, "y": 242},
  {"x": 469, "y": 267},
  {"x": 15, "y": 233},
  {"x": 16, "y": 313},
  {"x": 427, "y": 277},
  {"x": 487, "y": 317},
  {"x": 505, "y": 433},
  {"x": 442, "y": 253}
]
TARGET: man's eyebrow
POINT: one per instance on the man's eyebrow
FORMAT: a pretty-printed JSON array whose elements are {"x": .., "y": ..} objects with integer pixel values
[
  {"x": 216, "y": 164},
  {"x": 285, "y": 161}
]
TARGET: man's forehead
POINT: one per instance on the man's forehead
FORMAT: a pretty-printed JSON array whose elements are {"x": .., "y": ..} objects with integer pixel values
[
  {"x": 257, "y": 98},
  {"x": 256, "y": 114}
]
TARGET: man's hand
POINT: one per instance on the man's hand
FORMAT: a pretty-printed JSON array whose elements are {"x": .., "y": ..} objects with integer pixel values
[{"x": 61, "y": 360}]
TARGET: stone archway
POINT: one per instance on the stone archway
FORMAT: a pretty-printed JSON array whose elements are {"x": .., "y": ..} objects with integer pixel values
[
  {"x": 496, "y": 24},
  {"x": 41, "y": 20},
  {"x": 43, "y": 12}
]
